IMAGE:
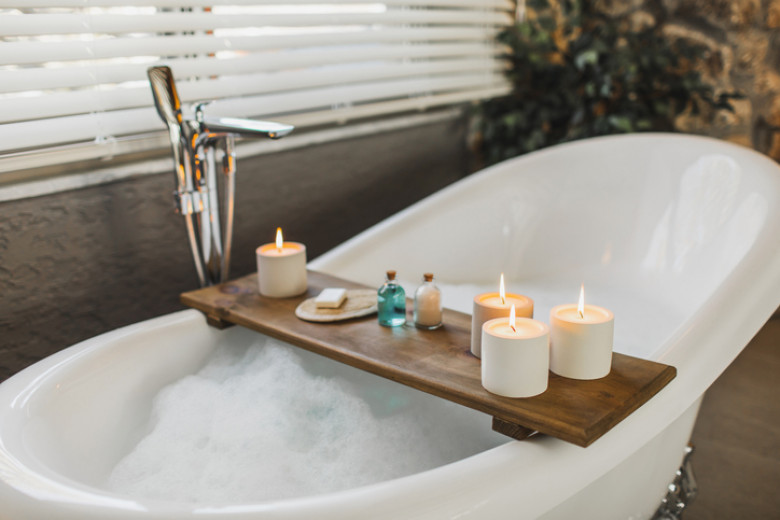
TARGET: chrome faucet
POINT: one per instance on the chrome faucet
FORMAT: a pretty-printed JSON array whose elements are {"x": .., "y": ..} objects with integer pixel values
[{"x": 196, "y": 143}]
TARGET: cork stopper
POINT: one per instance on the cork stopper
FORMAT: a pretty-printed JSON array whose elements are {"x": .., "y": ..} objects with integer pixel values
[
  {"x": 391, "y": 275},
  {"x": 428, "y": 277}
]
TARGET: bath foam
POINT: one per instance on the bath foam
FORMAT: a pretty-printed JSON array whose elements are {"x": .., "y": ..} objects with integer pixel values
[{"x": 259, "y": 423}]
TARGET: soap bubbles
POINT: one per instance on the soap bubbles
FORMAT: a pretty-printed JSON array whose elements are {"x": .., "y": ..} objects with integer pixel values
[{"x": 268, "y": 422}]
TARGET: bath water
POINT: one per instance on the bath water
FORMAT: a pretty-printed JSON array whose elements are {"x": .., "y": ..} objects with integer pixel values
[{"x": 267, "y": 421}]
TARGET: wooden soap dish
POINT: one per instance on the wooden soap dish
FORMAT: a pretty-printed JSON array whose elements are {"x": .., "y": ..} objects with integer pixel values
[{"x": 359, "y": 302}]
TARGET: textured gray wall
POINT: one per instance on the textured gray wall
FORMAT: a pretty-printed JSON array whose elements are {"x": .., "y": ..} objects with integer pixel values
[{"x": 79, "y": 263}]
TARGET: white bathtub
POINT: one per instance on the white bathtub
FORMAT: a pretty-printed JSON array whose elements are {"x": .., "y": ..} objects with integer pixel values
[{"x": 679, "y": 236}]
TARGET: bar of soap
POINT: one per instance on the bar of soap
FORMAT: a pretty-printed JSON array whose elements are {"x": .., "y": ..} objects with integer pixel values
[{"x": 331, "y": 298}]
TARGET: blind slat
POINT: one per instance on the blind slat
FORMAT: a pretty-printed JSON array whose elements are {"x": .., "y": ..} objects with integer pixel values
[
  {"x": 87, "y": 75},
  {"x": 164, "y": 22},
  {"x": 33, "y": 52},
  {"x": 337, "y": 95},
  {"x": 497, "y": 4},
  {"x": 389, "y": 107}
]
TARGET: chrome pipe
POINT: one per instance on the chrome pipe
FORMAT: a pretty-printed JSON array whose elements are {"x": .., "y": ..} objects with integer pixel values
[
  {"x": 212, "y": 215},
  {"x": 190, "y": 213},
  {"x": 229, "y": 171}
]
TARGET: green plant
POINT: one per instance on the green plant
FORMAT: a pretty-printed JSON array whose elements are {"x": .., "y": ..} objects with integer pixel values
[{"x": 577, "y": 73}]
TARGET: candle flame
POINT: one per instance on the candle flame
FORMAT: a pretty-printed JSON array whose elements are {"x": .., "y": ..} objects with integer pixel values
[
  {"x": 501, "y": 291},
  {"x": 279, "y": 240},
  {"x": 581, "y": 304},
  {"x": 512, "y": 318}
]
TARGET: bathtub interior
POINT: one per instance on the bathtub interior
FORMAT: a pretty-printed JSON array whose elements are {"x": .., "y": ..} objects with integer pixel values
[
  {"x": 86, "y": 410},
  {"x": 89, "y": 411},
  {"x": 651, "y": 226}
]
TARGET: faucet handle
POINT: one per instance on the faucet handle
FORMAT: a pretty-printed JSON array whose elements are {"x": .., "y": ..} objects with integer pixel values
[{"x": 198, "y": 109}]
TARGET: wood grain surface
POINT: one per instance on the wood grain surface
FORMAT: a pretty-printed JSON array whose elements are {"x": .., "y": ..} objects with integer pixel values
[{"x": 439, "y": 362}]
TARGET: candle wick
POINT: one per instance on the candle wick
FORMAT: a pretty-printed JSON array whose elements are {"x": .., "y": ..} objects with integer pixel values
[
  {"x": 513, "y": 329},
  {"x": 582, "y": 314},
  {"x": 503, "y": 301}
]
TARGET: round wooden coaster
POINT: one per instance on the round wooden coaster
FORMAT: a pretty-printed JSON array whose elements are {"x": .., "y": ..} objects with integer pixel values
[{"x": 359, "y": 302}]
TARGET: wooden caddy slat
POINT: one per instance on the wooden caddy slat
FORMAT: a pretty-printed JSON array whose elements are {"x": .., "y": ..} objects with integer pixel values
[{"x": 439, "y": 362}]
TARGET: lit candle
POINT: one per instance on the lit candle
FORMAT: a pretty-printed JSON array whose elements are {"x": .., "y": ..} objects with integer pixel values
[
  {"x": 581, "y": 340},
  {"x": 281, "y": 268},
  {"x": 515, "y": 356},
  {"x": 488, "y": 306}
]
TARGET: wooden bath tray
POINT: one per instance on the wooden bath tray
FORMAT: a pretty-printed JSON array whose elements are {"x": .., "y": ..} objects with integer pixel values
[{"x": 439, "y": 362}]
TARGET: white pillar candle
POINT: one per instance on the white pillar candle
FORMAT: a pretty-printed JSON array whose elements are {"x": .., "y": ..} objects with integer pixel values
[
  {"x": 489, "y": 306},
  {"x": 281, "y": 268},
  {"x": 581, "y": 340},
  {"x": 515, "y": 360}
]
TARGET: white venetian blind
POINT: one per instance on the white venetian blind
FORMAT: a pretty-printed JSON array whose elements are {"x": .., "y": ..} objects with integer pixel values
[{"x": 73, "y": 73}]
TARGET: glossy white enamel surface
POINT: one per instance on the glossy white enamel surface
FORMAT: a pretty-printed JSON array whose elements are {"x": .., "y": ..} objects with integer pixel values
[{"x": 678, "y": 236}]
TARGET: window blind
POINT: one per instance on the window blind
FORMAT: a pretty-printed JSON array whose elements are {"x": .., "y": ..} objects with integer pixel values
[{"x": 73, "y": 73}]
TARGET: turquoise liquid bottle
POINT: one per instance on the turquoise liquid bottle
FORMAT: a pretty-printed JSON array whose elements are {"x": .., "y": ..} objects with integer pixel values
[{"x": 391, "y": 302}]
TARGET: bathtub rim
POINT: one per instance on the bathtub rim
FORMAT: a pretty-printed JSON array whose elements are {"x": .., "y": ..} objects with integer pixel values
[
  {"x": 92, "y": 502},
  {"x": 49, "y": 488},
  {"x": 546, "y": 454}
]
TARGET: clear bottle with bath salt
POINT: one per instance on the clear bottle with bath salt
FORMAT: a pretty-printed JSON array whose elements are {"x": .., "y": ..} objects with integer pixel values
[
  {"x": 427, "y": 304},
  {"x": 391, "y": 302}
]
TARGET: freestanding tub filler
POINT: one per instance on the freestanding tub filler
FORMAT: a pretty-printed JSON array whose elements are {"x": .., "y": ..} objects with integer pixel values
[{"x": 679, "y": 236}]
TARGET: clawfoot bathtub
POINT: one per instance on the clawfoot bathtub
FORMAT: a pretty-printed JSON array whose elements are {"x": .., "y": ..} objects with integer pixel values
[{"x": 679, "y": 236}]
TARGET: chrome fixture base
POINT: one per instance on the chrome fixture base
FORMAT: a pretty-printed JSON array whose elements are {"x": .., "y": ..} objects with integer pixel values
[
  {"x": 197, "y": 143},
  {"x": 682, "y": 491}
]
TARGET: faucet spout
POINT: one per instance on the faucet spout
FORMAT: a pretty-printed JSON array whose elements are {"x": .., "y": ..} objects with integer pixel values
[
  {"x": 246, "y": 127},
  {"x": 196, "y": 142}
]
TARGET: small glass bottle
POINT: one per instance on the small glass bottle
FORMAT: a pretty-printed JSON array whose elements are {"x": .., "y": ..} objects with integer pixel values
[
  {"x": 427, "y": 304},
  {"x": 391, "y": 302}
]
